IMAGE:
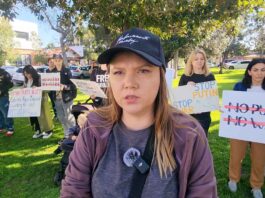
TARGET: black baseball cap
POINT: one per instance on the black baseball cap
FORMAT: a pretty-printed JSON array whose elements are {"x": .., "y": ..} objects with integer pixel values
[{"x": 139, "y": 41}]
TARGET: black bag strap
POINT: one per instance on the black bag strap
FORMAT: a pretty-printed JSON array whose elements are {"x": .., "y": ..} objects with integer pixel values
[{"x": 139, "y": 179}]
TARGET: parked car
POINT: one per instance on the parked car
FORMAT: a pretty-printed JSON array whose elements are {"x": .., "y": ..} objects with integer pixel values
[
  {"x": 211, "y": 64},
  {"x": 228, "y": 60},
  {"x": 18, "y": 77},
  {"x": 41, "y": 68},
  {"x": 80, "y": 72},
  {"x": 10, "y": 69},
  {"x": 240, "y": 64}
]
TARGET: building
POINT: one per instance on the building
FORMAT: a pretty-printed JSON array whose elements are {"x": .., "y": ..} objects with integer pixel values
[{"x": 25, "y": 32}]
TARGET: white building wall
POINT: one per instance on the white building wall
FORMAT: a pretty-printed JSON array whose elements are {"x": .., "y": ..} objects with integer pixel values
[{"x": 24, "y": 28}]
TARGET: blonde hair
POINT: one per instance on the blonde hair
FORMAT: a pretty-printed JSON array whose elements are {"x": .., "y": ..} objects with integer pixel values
[
  {"x": 189, "y": 67},
  {"x": 165, "y": 124}
]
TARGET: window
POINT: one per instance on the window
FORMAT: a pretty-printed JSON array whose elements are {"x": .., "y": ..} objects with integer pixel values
[{"x": 22, "y": 35}]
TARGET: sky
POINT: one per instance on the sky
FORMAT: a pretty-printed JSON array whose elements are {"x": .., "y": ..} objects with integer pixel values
[{"x": 46, "y": 34}]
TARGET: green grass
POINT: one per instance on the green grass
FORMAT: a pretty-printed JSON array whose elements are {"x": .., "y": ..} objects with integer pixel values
[{"x": 27, "y": 166}]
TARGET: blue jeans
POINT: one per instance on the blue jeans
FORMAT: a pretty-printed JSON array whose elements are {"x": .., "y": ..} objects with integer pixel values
[{"x": 5, "y": 122}]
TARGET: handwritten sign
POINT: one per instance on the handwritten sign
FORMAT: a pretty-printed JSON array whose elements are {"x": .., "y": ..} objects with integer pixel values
[
  {"x": 198, "y": 98},
  {"x": 89, "y": 88},
  {"x": 243, "y": 116},
  {"x": 25, "y": 102},
  {"x": 50, "y": 81}
]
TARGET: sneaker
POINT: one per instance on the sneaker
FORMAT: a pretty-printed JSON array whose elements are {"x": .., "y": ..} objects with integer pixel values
[
  {"x": 46, "y": 135},
  {"x": 257, "y": 193},
  {"x": 9, "y": 133},
  {"x": 37, "y": 134},
  {"x": 232, "y": 185}
]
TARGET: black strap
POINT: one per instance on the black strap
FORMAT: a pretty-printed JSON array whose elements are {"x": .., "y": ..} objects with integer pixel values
[{"x": 139, "y": 179}]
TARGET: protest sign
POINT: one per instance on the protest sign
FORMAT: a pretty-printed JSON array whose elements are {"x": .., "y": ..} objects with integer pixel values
[
  {"x": 198, "y": 98},
  {"x": 50, "y": 81},
  {"x": 25, "y": 102},
  {"x": 89, "y": 88},
  {"x": 243, "y": 116}
]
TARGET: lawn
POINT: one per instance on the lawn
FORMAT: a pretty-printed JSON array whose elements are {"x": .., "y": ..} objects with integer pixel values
[{"x": 27, "y": 166}]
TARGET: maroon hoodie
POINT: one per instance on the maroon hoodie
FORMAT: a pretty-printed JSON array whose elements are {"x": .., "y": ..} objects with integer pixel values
[{"x": 196, "y": 176}]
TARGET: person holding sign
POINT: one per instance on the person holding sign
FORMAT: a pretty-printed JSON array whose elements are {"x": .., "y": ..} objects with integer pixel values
[
  {"x": 5, "y": 85},
  {"x": 139, "y": 145},
  {"x": 63, "y": 99},
  {"x": 197, "y": 71},
  {"x": 43, "y": 123},
  {"x": 100, "y": 76},
  {"x": 253, "y": 81}
]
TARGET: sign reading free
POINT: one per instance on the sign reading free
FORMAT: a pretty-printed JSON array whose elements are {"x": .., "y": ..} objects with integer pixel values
[
  {"x": 198, "y": 98},
  {"x": 243, "y": 116}
]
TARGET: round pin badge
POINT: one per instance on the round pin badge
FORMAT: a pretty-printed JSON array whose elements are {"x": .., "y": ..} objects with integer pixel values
[{"x": 130, "y": 156}]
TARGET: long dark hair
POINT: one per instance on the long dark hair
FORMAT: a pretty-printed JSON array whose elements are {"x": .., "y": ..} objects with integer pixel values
[
  {"x": 35, "y": 76},
  {"x": 247, "y": 80}
]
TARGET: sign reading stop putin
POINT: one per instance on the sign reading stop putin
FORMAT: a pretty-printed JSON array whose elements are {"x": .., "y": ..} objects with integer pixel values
[{"x": 198, "y": 98}]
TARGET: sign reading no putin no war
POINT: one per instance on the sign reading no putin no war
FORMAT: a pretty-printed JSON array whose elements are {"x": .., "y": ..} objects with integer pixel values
[
  {"x": 243, "y": 116},
  {"x": 25, "y": 102},
  {"x": 198, "y": 98}
]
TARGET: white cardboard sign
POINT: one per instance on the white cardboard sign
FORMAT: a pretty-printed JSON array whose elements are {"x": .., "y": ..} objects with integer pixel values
[
  {"x": 243, "y": 116},
  {"x": 25, "y": 102},
  {"x": 50, "y": 81},
  {"x": 198, "y": 98},
  {"x": 89, "y": 88}
]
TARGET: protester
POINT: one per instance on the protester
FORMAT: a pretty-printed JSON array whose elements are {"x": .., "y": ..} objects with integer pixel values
[
  {"x": 5, "y": 85},
  {"x": 253, "y": 81},
  {"x": 119, "y": 141},
  {"x": 43, "y": 123},
  {"x": 51, "y": 67},
  {"x": 100, "y": 76},
  {"x": 197, "y": 71},
  {"x": 64, "y": 98}
]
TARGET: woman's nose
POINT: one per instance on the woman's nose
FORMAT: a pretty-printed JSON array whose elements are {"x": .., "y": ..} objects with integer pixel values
[{"x": 130, "y": 81}]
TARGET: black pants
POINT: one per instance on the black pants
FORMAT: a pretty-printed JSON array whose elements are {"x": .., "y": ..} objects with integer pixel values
[
  {"x": 34, "y": 123},
  {"x": 205, "y": 125},
  {"x": 53, "y": 103}
]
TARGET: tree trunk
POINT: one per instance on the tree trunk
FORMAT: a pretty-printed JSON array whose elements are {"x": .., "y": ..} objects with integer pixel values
[
  {"x": 176, "y": 62},
  {"x": 65, "y": 61}
]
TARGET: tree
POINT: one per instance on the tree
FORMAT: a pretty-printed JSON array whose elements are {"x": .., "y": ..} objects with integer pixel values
[
  {"x": 50, "y": 46},
  {"x": 36, "y": 42},
  {"x": 6, "y": 40},
  {"x": 40, "y": 59}
]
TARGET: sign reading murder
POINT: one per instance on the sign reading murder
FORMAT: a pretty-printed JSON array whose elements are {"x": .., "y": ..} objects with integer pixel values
[
  {"x": 25, "y": 102},
  {"x": 89, "y": 88},
  {"x": 198, "y": 98},
  {"x": 50, "y": 81},
  {"x": 243, "y": 116}
]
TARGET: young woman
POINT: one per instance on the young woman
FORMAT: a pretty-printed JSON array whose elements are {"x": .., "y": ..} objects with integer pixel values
[
  {"x": 44, "y": 122},
  {"x": 254, "y": 80},
  {"x": 197, "y": 71},
  {"x": 63, "y": 99},
  {"x": 139, "y": 146}
]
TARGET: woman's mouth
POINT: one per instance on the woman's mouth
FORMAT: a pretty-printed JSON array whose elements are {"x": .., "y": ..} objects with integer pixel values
[{"x": 131, "y": 99}]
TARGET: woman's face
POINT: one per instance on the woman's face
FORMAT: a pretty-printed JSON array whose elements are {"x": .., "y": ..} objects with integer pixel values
[
  {"x": 257, "y": 73},
  {"x": 58, "y": 63},
  {"x": 134, "y": 83},
  {"x": 27, "y": 75},
  {"x": 198, "y": 62}
]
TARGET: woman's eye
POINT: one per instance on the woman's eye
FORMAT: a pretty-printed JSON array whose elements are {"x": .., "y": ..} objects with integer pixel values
[
  {"x": 144, "y": 71},
  {"x": 117, "y": 72}
]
